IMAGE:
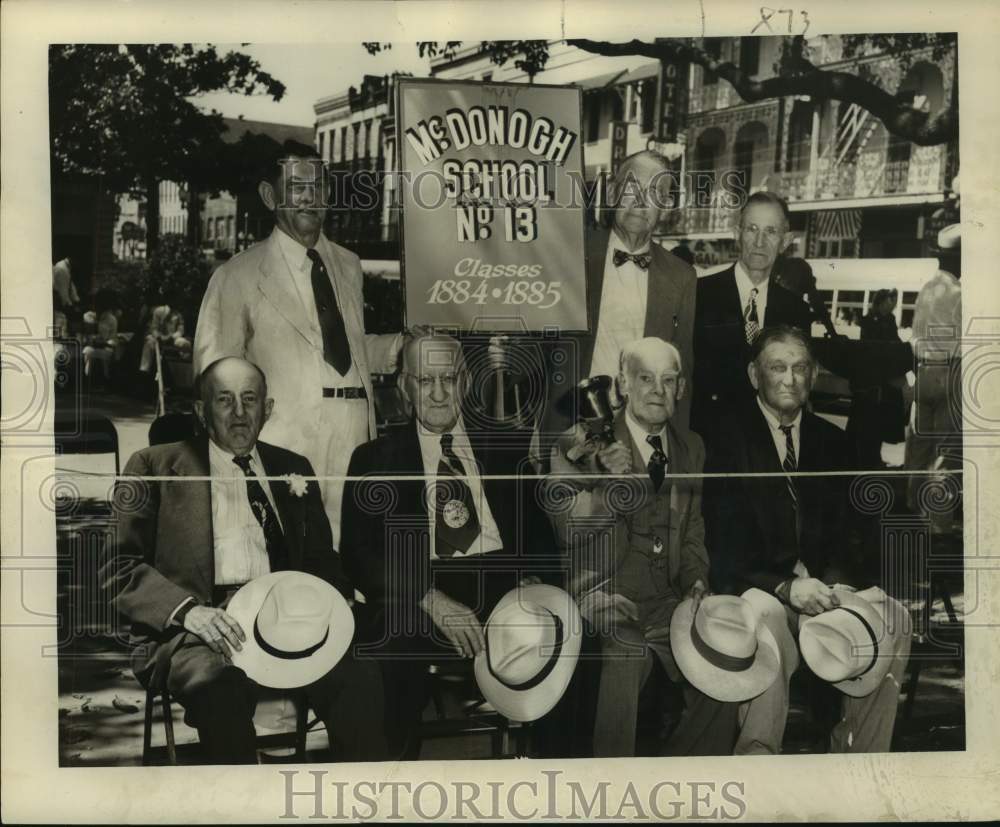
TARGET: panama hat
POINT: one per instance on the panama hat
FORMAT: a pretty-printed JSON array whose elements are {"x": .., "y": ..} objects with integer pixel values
[
  {"x": 532, "y": 645},
  {"x": 297, "y": 628},
  {"x": 723, "y": 648},
  {"x": 851, "y": 646}
]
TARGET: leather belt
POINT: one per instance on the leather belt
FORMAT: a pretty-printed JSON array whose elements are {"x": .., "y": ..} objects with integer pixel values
[{"x": 345, "y": 393}]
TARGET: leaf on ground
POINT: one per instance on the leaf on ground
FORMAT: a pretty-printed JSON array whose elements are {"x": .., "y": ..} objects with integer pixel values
[{"x": 124, "y": 706}]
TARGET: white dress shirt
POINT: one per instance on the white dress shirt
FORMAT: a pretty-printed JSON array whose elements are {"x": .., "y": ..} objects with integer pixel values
[
  {"x": 430, "y": 450},
  {"x": 240, "y": 546},
  {"x": 639, "y": 435},
  {"x": 744, "y": 285},
  {"x": 780, "y": 443},
  {"x": 300, "y": 267},
  {"x": 622, "y": 317}
]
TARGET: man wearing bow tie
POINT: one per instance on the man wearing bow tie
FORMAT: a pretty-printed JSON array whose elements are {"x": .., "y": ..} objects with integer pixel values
[
  {"x": 293, "y": 305},
  {"x": 636, "y": 546},
  {"x": 635, "y": 289}
]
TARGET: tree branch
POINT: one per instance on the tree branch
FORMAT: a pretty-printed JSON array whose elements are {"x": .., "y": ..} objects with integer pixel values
[{"x": 806, "y": 79}]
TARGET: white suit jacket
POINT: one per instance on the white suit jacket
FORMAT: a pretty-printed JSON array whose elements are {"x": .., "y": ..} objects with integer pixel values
[{"x": 251, "y": 309}]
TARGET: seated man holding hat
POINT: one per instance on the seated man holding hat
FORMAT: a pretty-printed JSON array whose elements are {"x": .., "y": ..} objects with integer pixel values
[
  {"x": 237, "y": 584},
  {"x": 640, "y": 571},
  {"x": 780, "y": 538},
  {"x": 437, "y": 527}
]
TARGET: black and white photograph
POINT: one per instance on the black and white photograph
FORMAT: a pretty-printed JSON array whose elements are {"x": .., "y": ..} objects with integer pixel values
[{"x": 471, "y": 411}]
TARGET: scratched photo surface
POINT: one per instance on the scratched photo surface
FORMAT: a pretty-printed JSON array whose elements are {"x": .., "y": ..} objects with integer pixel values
[
  {"x": 748, "y": 184},
  {"x": 421, "y": 402}
]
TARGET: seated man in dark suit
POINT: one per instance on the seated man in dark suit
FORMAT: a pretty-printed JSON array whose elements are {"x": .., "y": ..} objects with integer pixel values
[
  {"x": 733, "y": 306},
  {"x": 199, "y": 541},
  {"x": 783, "y": 541},
  {"x": 433, "y": 553},
  {"x": 637, "y": 549}
]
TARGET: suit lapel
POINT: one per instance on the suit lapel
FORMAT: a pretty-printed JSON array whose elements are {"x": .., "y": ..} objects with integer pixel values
[
  {"x": 662, "y": 300},
  {"x": 192, "y": 502},
  {"x": 276, "y": 284},
  {"x": 289, "y": 507}
]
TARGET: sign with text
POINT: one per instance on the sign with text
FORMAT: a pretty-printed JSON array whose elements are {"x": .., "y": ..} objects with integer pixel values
[{"x": 491, "y": 186}]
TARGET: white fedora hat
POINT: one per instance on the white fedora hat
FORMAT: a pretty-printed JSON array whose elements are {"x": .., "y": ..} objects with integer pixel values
[
  {"x": 297, "y": 628},
  {"x": 532, "y": 645},
  {"x": 723, "y": 649},
  {"x": 851, "y": 646}
]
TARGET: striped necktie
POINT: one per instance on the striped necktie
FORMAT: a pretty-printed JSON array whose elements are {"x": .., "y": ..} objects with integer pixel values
[
  {"x": 657, "y": 467},
  {"x": 790, "y": 464},
  {"x": 751, "y": 322},
  {"x": 456, "y": 523}
]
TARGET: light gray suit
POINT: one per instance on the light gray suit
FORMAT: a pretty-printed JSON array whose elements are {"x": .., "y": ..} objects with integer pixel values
[{"x": 252, "y": 310}]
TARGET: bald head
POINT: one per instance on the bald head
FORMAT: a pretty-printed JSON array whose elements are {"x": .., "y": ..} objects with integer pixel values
[
  {"x": 233, "y": 404},
  {"x": 651, "y": 381}
]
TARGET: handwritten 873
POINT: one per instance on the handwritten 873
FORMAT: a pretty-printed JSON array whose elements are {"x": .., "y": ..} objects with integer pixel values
[{"x": 540, "y": 294}]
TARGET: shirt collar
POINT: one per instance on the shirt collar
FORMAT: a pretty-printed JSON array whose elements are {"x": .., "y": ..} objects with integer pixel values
[
  {"x": 220, "y": 458},
  {"x": 773, "y": 422},
  {"x": 295, "y": 254},
  {"x": 639, "y": 433},
  {"x": 617, "y": 243},
  {"x": 744, "y": 284},
  {"x": 429, "y": 439}
]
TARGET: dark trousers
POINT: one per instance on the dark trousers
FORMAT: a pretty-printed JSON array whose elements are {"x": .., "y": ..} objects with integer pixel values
[{"x": 219, "y": 701}]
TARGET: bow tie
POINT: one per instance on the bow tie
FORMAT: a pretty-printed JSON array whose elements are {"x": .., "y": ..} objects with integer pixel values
[{"x": 641, "y": 260}]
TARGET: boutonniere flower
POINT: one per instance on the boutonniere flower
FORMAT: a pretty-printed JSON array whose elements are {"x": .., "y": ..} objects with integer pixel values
[{"x": 297, "y": 484}]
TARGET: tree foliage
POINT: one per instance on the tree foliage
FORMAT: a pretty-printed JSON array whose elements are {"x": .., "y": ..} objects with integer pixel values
[
  {"x": 124, "y": 111},
  {"x": 795, "y": 74}
]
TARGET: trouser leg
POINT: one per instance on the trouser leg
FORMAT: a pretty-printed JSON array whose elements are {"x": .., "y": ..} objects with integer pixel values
[
  {"x": 218, "y": 700},
  {"x": 349, "y": 700},
  {"x": 707, "y": 727},
  {"x": 866, "y": 724},
  {"x": 762, "y": 719},
  {"x": 626, "y": 662}
]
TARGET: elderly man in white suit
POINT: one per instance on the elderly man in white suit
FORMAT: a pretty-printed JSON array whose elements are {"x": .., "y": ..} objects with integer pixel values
[{"x": 293, "y": 305}]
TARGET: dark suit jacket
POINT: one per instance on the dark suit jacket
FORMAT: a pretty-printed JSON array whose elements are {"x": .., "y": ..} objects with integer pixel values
[
  {"x": 721, "y": 352},
  {"x": 750, "y": 521},
  {"x": 670, "y": 314},
  {"x": 599, "y": 541},
  {"x": 165, "y": 546},
  {"x": 386, "y": 524}
]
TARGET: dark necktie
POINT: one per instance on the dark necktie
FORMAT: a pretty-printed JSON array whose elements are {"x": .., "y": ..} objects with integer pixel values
[
  {"x": 336, "y": 349},
  {"x": 751, "y": 324},
  {"x": 641, "y": 260},
  {"x": 456, "y": 523},
  {"x": 790, "y": 464},
  {"x": 261, "y": 507},
  {"x": 657, "y": 466}
]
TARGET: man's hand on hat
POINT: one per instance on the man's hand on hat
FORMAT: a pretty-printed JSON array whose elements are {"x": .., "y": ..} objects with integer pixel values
[
  {"x": 456, "y": 621},
  {"x": 219, "y": 630},
  {"x": 812, "y": 596}
]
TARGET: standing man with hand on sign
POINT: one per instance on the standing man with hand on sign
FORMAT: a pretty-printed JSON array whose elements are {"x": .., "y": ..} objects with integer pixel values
[
  {"x": 635, "y": 289},
  {"x": 293, "y": 305}
]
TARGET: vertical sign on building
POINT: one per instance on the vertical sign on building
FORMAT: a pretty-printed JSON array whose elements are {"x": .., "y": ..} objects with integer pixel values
[
  {"x": 671, "y": 100},
  {"x": 619, "y": 145}
]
